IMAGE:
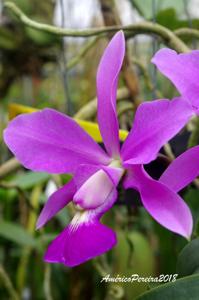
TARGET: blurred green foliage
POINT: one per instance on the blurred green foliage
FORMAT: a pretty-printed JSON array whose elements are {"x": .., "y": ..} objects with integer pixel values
[{"x": 30, "y": 74}]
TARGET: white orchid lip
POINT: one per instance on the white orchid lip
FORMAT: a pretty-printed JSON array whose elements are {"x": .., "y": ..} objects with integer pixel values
[{"x": 94, "y": 191}]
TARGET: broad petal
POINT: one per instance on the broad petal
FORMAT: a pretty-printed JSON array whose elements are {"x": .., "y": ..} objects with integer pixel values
[
  {"x": 97, "y": 188},
  {"x": 56, "y": 202},
  {"x": 50, "y": 141},
  {"x": 183, "y": 70},
  {"x": 165, "y": 206},
  {"x": 155, "y": 123},
  {"x": 182, "y": 171},
  {"x": 83, "y": 239},
  {"x": 107, "y": 79}
]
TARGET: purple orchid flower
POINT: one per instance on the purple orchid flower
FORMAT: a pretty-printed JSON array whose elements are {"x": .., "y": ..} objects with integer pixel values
[
  {"x": 183, "y": 70},
  {"x": 52, "y": 142},
  {"x": 182, "y": 171}
]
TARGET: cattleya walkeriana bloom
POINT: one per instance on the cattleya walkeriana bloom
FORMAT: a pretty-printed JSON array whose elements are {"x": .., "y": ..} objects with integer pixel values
[
  {"x": 183, "y": 70},
  {"x": 52, "y": 142}
]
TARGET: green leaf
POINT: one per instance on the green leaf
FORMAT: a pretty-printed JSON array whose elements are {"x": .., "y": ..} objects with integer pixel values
[
  {"x": 169, "y": 18},
  {"x": 133, "y": 255},
  {"x": 30, "y": 179},
  {"x": 191, "y": 197},
  {"x": 182, "y": 289},
  {"x": 16, "y": 233},
  {"x": 188, "y": 260},
  {"x": 44, "y": 239},
  {"x": 7, "y": 41},
  {"x": 144, "y": 7},
  {"x": 41, "y": 38}
]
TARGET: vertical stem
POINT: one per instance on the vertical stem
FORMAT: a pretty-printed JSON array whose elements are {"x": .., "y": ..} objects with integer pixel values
[
  {"x": 194, "y": 137},
  {"x": 47, "y": 276},
  {"x": 8, "y": 284},
  {"x": 22, "y": 269},
  {"x": 185, "y": 2},
  {"x": 154, "y": 49},
  {"x": 63, "y": 64}
]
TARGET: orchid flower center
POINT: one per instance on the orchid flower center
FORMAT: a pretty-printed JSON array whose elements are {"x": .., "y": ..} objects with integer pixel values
[
  {"x": 97, "y": 188},
  {"x": 94, "y": 191},
  {"x": 116, "y": 163}
]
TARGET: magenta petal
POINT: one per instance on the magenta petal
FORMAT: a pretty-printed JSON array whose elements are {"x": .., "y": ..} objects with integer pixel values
[
  {"x": 83, "y": 239},
  {"x": 164, "y": 205},
  {"x": 155, "y": 123},
  {"x": 73, "y": 247},
  {"x": 182, "y": 70},
  {"x": 50, "y": 141},
  {"x": 182, "y": 171},
  {"x": 56, "y": 202},
  {"x": 107, "y": 80}
]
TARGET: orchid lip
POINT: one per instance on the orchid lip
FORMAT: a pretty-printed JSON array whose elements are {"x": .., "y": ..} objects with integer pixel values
[
  {"x": 80, "y": 217},
  {"x": 95, "y": 190}
]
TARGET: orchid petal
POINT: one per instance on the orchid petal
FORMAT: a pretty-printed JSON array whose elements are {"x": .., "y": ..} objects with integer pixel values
[
  {"x": 75, "y": 246},
  {"x": 165, "y": 206},
  {"x": 183, "y": 70},
  {"x": 107, "y": 80},
  {"x": 155, "y": 123},
  {"x": 50, "y": 141},
  {"x": 182, "y": 171},
  {"x": 84, "y": 238},
  {"x": 56, "y": 202}
]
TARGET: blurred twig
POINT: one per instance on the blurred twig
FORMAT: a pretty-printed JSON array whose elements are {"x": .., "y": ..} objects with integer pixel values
[
  {"x": 194, "y": 137},
  {"x": 9, "y": 166},
  {"x": 141, "y": 28},
  {"x": 146, "y": 76},
  {"x": 8, "y": 186},
  {"x": 63, "y": 65},
  {"x": 190, "y": 21},
  {"x": 168, "y": 151},
  {"x": 187, "y": 32},
  {"x": 22, "y": 269},
  {"x": 114, "y": 291},
  {"x": 8, "y": 284},
  {"x": 125, "y": 107},
  {"x": 47, "y": 288},
  {"x": 89, "y": 110},
  {"x": 84, "y": 50}
]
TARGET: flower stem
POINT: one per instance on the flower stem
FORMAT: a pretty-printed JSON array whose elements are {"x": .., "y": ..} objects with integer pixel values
[
  {"x": 8, "y": 284},
  {"x": 130, "y": 30}
]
